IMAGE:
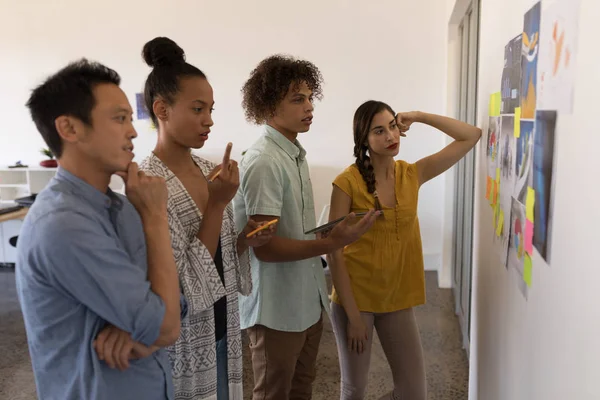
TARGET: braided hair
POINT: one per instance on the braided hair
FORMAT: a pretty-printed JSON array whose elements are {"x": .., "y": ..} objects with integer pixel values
[{"x": 361, "y": 126}]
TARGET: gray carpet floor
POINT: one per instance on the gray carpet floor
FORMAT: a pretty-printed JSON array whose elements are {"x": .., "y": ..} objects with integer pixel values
[{"x": 445, "y": 359}]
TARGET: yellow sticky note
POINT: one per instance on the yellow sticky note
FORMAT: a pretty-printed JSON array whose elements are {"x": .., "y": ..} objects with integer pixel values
[
  {"x": 500, "y": 223},
  {"x": 495, "y": 102},
  {"x": 527, "y": 269},
  {"x": 498, "y": 175},
  {"x": 498, "y": 192},
  {"x": 517, "y": 122},
  {"x": 530, "y": 203}
]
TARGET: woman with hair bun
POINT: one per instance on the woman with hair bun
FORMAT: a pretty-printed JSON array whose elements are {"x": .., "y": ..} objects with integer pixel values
[{"x": 211, "y": 256}]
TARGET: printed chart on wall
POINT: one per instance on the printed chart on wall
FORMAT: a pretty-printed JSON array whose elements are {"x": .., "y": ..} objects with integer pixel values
[
  {"x": 558, "y": 52},
  {"x": 141, "y": 107},
  {"x": 511, "y": 76},
  {"x": 492, "y": 159},
  {"x": 543, "y": 163},
  {"x": 537, "y": 85},
  {"x": 529, "y": 61},
  {"x": 507, "y": 184},
  {"x": 516, "y": 250}
]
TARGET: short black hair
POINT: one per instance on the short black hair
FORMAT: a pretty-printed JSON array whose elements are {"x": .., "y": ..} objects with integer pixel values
[
  {"x": 270, "y": 81},
  {"x": 68, "y": 92},
  {"x": 168, "y": 64}
]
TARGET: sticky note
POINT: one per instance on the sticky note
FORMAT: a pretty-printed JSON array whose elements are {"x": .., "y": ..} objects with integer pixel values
[
  {"x": 517, "y": 122},
  {"x": 488, "y": 189},
  {"x": 495, "y": 193},
  {"x": 530, "y": 203},
  {"x": 498, "y": 175},
  {"x": 500, "y": 223},
  {"x": 529, "y": 237},
  {"x": 495, "y": 103},
  {"x": 527, "y": 269},
  {"x": 498, "y": 192}
]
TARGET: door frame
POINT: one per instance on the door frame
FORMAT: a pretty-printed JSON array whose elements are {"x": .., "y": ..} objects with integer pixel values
[{"x": 464, "y": 188}]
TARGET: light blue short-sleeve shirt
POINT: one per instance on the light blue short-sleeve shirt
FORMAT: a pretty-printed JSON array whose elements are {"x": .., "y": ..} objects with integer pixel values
[{"x": 274, "y": 180}]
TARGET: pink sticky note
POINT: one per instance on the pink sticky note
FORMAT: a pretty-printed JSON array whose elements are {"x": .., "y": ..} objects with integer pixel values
[{"x": 529, "y": 237}]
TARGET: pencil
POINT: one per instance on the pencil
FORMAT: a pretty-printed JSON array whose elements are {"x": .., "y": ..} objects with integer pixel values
[
  {"x": 212, "y": 178},
  {"x": 260, "y": 228}
]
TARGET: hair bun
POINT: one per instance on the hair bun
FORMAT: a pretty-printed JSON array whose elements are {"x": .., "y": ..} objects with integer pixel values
[{"x": 162, "y": 52}]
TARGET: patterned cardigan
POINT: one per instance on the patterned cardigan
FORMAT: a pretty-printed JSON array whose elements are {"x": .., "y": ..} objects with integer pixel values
[{"x": 193, "y": 357}]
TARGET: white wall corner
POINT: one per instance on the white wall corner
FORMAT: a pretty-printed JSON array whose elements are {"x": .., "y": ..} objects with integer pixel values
[{"x": 432, "y": 261}]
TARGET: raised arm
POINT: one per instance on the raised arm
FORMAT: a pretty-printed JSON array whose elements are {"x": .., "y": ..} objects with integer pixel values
[
  {"x": 222, "y": 186},
  {"x": 149, "y": 196},
  {"x": 465, "y": 137}
]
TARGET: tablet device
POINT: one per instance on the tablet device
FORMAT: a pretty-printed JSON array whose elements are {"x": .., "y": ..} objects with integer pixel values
[{"x": 330, "y": 225}]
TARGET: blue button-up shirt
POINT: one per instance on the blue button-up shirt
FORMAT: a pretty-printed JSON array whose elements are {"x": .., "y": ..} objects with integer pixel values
[
  {"x": 274, "y": 180},
  {"x": 81, "y": 265}
]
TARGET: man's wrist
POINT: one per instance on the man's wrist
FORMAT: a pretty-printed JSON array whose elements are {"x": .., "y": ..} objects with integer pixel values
[{"x": 154, "y": 217}]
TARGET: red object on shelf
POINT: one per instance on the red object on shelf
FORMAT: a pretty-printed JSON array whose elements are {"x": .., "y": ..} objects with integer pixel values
[{"x": 49, "y": 164}]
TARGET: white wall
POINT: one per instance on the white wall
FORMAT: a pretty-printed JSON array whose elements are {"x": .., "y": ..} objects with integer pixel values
[
  {"x": 387, "y": 50},
  {"x": 546, "y": 347}
]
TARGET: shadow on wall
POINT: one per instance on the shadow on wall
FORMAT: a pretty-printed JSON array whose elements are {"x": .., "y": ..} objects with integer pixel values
[{"x": 322, "y": 178}]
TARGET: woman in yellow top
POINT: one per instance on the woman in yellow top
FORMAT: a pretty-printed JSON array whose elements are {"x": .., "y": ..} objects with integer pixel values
[{"x": 380, "y": 278}]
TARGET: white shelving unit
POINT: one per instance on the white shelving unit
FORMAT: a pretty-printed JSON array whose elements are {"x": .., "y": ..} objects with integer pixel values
[{"x": 21, "y": 182}]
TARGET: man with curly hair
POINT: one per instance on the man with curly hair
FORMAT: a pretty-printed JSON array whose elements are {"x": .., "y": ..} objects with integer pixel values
[{"x": 283, "y": 314}]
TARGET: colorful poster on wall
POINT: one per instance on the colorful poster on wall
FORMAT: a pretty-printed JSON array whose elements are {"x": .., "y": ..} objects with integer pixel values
[
  {"x": 516, "y": 251},
  {"x": 523, "y": 160},
  {"x": 507, "y": 182},
  {"x": 511, "y": 76},
  {"x": 140, "y": 107},
  {"x": 543, "y": 163},
  {"x": 558, "y": 53},
  {"x": 492, "y": 149},
  {"x": 529, "y": 61}
]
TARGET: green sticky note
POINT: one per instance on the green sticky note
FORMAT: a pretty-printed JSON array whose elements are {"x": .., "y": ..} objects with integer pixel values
[
  {"x": 530, "y": 203},
  {"x": 527, "y": 269}
]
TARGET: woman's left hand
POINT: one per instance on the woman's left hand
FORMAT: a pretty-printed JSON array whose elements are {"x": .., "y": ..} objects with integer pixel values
[
  {"x": 261, "y": 237},
  {"x": 405, "y": 120}
]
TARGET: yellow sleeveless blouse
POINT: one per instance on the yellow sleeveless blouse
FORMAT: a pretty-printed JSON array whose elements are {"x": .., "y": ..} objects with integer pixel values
[{"x": 386, "y": 264}]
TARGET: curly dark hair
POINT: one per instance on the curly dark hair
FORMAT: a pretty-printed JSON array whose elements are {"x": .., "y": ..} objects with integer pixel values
[
  {"x": 270, "y": 81},
  {"x": 362, "y": 122}
]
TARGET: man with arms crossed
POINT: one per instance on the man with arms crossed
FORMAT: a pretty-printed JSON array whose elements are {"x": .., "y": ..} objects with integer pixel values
[{"x": 90, "y": 260}]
